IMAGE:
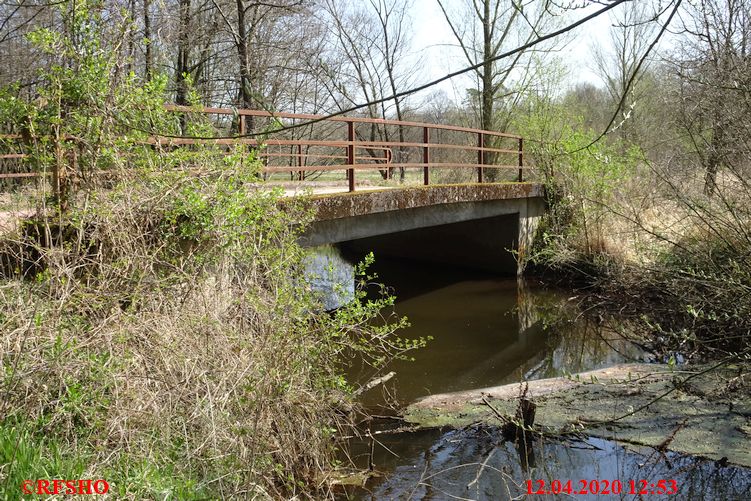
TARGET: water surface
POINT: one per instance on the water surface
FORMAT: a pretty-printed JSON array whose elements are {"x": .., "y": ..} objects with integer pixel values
[
  {"x": 476, "y": 463},
  {"x": 486, "y": 331},
  {"x": 490, "y": 330}
]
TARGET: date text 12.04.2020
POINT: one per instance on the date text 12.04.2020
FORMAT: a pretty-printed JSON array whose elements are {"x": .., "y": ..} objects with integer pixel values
[{"x": 605, "y": 487}]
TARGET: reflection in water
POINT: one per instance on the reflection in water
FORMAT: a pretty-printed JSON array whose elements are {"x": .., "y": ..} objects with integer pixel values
[
  {"x": 488, "y": 331},
  {"x": 476, "y": 463}
]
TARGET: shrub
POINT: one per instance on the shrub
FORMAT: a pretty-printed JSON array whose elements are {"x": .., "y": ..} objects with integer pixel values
[{"x": 162, "y": 337}]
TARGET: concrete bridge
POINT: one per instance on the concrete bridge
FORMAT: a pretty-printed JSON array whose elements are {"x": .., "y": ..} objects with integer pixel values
[
  {"x": 481, "y": 226},
  {"x": 470, "y": 224}
]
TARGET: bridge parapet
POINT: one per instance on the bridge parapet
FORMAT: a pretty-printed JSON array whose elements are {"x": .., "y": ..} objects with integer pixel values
[{"x": 341, "y": 205}]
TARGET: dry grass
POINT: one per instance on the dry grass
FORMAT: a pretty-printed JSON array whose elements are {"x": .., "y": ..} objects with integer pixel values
[
  {"x": 164, "y": 340},
  {"x": 662, "y": 250}
]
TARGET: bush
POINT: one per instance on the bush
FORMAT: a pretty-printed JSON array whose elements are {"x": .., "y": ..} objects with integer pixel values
[
  {"x": 162, "y": 338},
  {"x": 643, "y": 238}
]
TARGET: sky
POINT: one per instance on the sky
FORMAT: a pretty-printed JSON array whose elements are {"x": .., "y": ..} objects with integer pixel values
[{"x": 432, "y": 34}]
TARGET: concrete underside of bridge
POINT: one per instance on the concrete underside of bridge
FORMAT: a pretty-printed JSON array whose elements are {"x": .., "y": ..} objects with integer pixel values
[{"x": 480, "y": 226}]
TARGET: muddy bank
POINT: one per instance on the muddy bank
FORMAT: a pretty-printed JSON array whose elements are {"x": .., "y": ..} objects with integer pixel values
[{"x": 683, "y": 410}]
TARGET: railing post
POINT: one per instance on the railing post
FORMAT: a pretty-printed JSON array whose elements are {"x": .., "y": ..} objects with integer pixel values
[
  {"x": 351, "y": 154},
  {"x": 390, "y": 170},
  {"x": 389, "y": 161},
  {"x": 480, "y": 155},
  {"x": 241, "y": 132},
  {"x": 299, "y": 162},
  {"x": 521, "y": 159},
  {"x": 426, "y": 155}
]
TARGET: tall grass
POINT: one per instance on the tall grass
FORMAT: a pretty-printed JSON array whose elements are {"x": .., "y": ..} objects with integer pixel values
[
  {"x": 156, "y": 328},
  {"x": 166, "y": 342}
]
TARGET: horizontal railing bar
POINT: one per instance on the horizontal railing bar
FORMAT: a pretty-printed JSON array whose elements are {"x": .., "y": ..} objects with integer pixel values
[
  {"x": 291, "y": 142},
  {"x": 454, "y": 165},
  {"x": 313, "y": 168},
  {"x": 252, "y": 142},
  {"x": 304, "y": 155},
  {"x": 366, "y": 144},
  {"x": 382, "y": 145},
  {"x": 308, "y": 168},
  {"x": 24, "y": 174}
]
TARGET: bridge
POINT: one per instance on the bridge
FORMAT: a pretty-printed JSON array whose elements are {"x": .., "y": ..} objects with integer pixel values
[
  {"x": 413, "y": 190},
  {"x": 470, "y": 225}
]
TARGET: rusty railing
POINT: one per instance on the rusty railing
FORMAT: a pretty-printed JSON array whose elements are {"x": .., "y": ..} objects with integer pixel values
[{"x": 317, "y": 145}]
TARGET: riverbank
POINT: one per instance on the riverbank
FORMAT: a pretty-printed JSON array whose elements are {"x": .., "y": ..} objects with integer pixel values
[
  {"x": 152, "y": 335},
  {"x": 646, "y": 404}
]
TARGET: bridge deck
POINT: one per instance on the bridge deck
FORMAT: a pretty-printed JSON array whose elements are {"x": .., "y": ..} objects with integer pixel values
[{"x": 341, "y": 204}]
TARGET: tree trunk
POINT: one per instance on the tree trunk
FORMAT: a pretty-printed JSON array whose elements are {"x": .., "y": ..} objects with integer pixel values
[
  {"x": 183, "y": 55},
  {"x": 245, "y": 98},
  {"x": 183, "y": 61},
  {"x": 148, "y": 63},
  {"x": 488, "y": 92},
  {"x": 713, "y": 160}
]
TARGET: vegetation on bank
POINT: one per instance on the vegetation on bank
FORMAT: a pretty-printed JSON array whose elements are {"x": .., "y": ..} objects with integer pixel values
[
  {"x": 646, "y": 235},
  {"x": 155, "y": 331}
]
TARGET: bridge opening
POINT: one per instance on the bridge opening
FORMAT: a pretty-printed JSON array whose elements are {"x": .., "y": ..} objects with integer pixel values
[{"x": 485, "y": 244}]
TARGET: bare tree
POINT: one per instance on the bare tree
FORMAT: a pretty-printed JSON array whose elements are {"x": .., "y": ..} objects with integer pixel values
[
  {"x": 714, "y": 71},
  {"x": 632, "y": 32},
  {"x": 182, "y": 66},
  {"x": 20, "y": 60},
  {"x": 369, "y": 60},
  {"x": 148, "y": 44},
  {"x": 593, "y": 103},
  {"x": 483, "y": 29},
  {"x": 193, "y": 42},
  {"x": 258, "y": 33},
  {"x": 392, "y": 18}
]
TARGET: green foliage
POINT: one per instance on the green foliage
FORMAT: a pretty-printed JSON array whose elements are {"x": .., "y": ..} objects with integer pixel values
[
  {"x": 629, "y": 228},
  {"x": 87, "y": 108},
  {"x": 583, "y": 175},
  {"x": 361, "y": 322},
  {"x": 167, "y": 339},
  {"x": 24, "y": 456}
]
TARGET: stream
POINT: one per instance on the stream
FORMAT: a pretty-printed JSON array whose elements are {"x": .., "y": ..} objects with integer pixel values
[{"x": 489, "y": 331}]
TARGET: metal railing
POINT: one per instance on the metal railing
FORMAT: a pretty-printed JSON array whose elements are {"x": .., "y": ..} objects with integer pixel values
[
  {"x": 308, "y": 146},
  {"x": 12, "y": 155}
]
